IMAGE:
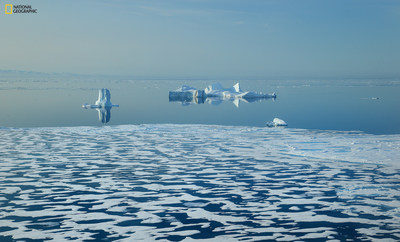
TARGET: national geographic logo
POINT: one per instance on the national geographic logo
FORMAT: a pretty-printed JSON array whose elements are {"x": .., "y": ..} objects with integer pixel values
[{"x": 11, "y": 9}]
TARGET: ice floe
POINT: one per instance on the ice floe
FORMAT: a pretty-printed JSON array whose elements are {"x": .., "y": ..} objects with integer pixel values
[{"x": 190, "y": 182}]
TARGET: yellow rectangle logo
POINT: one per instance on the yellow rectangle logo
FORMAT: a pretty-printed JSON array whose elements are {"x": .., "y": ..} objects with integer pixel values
[{"x": 11, "y": 8}]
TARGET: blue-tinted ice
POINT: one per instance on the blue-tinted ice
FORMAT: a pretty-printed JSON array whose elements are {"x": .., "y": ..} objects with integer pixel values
[
  {"x": 103, "y": 105},
  {"x": 184, "y": 182}
]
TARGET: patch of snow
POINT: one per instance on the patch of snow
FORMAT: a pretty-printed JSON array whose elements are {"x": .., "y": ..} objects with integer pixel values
[{"x": 277, "y": 123}]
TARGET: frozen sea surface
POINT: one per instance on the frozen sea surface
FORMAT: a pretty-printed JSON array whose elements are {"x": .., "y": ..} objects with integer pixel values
[{"x": 186, "y": 182}]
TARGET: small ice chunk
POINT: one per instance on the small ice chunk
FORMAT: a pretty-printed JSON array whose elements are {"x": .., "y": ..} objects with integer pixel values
[
  {"x": 370, "y": 98},
  {"x": 276, "y": 123},
  {"x": 86, "y": 106}
]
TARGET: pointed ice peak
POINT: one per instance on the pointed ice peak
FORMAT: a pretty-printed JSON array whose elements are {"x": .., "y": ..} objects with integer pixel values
[{"x": 236, "y": 87}]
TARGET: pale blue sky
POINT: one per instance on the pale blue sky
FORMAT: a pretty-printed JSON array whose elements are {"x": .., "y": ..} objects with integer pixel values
[{"x": 236, "y": 39}]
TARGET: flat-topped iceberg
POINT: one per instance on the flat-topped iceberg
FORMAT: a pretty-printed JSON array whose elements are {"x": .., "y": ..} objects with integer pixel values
[
  {"x": 216, "y": 90},
  {"x": 215, "y": 94},
  {"x": 187, "y": 94}
]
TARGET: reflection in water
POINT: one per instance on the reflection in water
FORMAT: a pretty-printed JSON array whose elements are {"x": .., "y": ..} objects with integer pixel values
[
  {"x": 103, "y": 105},
  {"x": 104, "y": 114},
  {"x": 187, "y": 100}
]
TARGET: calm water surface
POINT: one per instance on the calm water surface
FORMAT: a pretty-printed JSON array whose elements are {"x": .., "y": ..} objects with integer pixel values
[{"x": 367, "y": 105}]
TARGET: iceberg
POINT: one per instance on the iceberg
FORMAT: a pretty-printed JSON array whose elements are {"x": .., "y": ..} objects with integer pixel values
[
  {"x": 215, "y": 94},
  {"x": 277, "y": 123},
  {"x": 187, "y": 95},
  {"x": 103, "y": 101},
  {"x": 103, "y": 105},
  {"x": 216, "y": 90}
]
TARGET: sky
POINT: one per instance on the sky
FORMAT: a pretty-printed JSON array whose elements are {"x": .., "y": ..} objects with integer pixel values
[{"x": 238, "y": 39}]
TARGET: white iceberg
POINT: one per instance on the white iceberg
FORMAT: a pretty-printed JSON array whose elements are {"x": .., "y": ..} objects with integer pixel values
[
  {"x": 216, "y": 90},
  {"x": 186, "y": 93},
  {"x": 277, "y": 123},
  {"x": 103, "y": 101},
  {"x": 103, "y": 105},
  {"x": 215, "y": 94}
]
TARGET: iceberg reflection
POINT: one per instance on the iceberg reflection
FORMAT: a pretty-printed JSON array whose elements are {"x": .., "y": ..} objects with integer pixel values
[
  {"x": 103, "y": 105},
  {"x": 104, "y": 114}
]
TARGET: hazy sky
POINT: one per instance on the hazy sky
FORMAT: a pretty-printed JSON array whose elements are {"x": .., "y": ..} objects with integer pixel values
[{"x": 205, "y": 38}]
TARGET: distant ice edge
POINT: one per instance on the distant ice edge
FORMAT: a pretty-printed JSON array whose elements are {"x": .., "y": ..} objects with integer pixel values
[{"x": 351, "y": 146}]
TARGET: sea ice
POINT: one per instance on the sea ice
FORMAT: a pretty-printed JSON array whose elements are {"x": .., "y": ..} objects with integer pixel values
[{"x": 180, "y": 182}]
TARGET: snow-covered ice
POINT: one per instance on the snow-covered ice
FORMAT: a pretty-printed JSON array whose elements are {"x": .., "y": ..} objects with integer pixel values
[
  {"x": 186, "y": 182},
  {"x": 277, "y": 123}
]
